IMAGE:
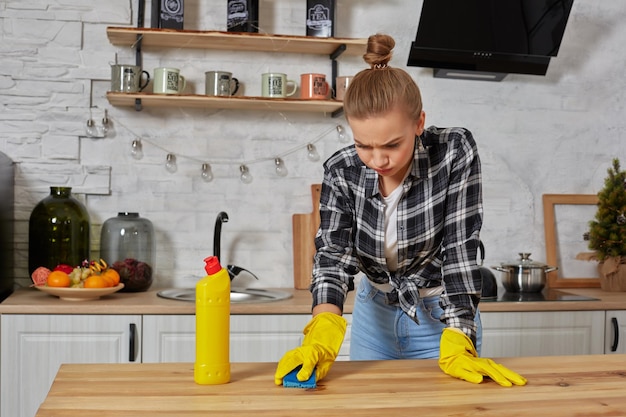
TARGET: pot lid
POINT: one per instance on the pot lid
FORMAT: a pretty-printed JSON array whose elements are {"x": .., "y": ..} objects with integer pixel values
[{"x": 524, "y": 262}]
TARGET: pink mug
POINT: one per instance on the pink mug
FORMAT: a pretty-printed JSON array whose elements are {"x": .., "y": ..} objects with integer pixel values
[{"x": 314, "y": 86}]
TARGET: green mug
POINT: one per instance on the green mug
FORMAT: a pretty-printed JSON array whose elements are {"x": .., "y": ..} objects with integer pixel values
[
  {"x": 275, "y": 85},
  {"x": 168, "y": 81}
]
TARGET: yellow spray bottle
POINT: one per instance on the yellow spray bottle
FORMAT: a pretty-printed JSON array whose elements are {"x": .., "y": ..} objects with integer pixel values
[{"x": 212, "y": 364}]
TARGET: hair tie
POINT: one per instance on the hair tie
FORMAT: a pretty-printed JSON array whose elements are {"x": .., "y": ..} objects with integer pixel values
[{"x": 380, "y": 66}]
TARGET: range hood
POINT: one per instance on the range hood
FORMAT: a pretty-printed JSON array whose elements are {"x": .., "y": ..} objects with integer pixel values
[{"x": 488, "y": 39}]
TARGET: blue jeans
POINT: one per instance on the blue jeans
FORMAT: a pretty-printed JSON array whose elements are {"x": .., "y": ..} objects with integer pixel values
[{"x": 381, "y": 331}]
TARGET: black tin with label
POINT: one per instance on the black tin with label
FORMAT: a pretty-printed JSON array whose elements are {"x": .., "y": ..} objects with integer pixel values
[
  {"x": 167, "y": 14},
  {"x": 242, "y": 16},
  {"x": 320, "y": 18}
]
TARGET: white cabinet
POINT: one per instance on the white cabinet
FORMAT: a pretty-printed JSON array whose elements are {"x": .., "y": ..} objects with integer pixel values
[
  {"x": 258, "y": 338},
  {"x": 615, "y": 332},
  {"x": 34, "y": 346},
  {"x": 543, "y": 333},
  {"x": 253, "y": 338}
]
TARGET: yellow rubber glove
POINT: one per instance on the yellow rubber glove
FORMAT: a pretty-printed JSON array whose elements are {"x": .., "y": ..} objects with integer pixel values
[
  {"x": 323, "y": 337},
  {"x": 458, "y": 358}
]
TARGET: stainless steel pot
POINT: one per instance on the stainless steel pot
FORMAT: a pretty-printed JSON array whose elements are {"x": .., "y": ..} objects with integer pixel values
[{"x": 524, "y": 275}]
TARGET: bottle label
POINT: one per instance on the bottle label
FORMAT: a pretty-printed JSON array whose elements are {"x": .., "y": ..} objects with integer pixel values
[
  {"x": 171, "y": 14},
  {"x": 237, "y": 13},
  {"x": 319, "y": 20}
]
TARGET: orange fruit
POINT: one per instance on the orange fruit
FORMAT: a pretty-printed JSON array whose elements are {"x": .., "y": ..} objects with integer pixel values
[
  {"x": 112, "y": 275},
  {"x": 58, "y": 279},
  {"x": 107, "y": 279},
  {"x": 95, "y": 281}
]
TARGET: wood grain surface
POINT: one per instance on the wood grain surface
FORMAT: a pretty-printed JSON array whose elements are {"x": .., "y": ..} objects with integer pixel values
[
  {"x": 593, "y": 385},
  {"x": 304, "y": 228},
  {"x": 234, "y": 41},
  {"x": 233, "y": 102},
  {"x": 31, "y": 301}
]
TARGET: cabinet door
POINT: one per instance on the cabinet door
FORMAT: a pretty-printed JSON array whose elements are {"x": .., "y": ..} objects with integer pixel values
[
  {"x": 542, "y": 333},
  {"x": 253, "y": 338},
  {"x": 615, "y": 332},
  {"x": 34, "y": 346}
]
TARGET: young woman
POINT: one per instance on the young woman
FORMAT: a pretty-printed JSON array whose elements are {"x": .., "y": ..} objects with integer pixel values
[{"x": 403, "y": 206}]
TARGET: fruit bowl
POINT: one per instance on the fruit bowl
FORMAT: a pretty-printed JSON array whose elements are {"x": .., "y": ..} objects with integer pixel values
[{"x": 78, "y": 294}]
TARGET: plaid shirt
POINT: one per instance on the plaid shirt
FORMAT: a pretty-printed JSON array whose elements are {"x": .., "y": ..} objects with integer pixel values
[{"x": 439, "y": 220}]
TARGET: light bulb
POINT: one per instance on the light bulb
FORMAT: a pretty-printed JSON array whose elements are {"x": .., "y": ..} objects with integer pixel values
[
  {"x": 341, "y": 134},
  {"x": 207, "y": 174},
  {"x": 311, "y": 153},
  {"x": 107, "y": 126},
  {"x": 91, "y": 129},
  {"x": 281, "y": 169},
  {"x": 170, "y": 163},
  {"x": 137, "y": 149},
  {"x": 246, "y": 176}
]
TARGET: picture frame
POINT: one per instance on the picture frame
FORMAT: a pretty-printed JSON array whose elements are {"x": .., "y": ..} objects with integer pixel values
[{"x": 556, "y": 279}]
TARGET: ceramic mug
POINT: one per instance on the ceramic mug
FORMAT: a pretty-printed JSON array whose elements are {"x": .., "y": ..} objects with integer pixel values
[
  {"x": 275, "y": 84},
  {"x": 168, "y": 81},
  {"x": 342, "y": 84},
  {"x": 128, "y": 78},
  {"x": 220, "y": 83},
  {"x": 314, "y": 86}
]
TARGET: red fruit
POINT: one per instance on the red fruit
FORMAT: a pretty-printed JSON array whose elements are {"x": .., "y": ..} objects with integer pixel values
[
  {"x": 64, "y": 267},
  {"x": 40, "y": 275}
]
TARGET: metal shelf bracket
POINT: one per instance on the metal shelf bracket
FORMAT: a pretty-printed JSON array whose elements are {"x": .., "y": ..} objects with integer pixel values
[
  {"x": 333, "y": 58},
  {"x": 141, "y": 11}
]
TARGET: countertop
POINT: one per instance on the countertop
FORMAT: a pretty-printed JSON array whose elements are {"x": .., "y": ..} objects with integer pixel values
[
  {"x": 558, "y": 386},
  {"x": 32, "y": 301}
]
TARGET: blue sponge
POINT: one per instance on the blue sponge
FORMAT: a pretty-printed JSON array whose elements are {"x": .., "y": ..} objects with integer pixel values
[{"x": 291, "y": 381}]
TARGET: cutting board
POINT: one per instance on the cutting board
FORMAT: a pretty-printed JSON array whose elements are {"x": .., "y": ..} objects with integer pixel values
[{"x": 304, "y": 228}]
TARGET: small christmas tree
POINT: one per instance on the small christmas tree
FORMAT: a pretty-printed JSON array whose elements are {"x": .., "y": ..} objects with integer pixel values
[{"x": 607, "y": 233}]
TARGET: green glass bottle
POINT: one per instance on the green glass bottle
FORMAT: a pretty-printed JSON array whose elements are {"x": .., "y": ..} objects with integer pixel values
[{"x": 58, "y": 231}]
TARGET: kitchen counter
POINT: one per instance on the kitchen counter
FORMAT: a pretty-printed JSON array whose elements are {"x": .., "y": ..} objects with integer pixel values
[
  {"x": 32, "y": 301},
  {"x": 593, "y": 385}
]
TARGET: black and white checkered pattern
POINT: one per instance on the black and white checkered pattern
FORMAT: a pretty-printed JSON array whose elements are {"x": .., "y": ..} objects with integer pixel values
[{"x": 439, "y": 220}]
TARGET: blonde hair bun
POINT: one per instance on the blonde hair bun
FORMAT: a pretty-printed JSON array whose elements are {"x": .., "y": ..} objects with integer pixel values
[{"x": 379, "y": 50}]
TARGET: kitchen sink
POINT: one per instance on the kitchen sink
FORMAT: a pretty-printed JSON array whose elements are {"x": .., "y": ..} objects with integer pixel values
[{"x": 237, "y": 295}]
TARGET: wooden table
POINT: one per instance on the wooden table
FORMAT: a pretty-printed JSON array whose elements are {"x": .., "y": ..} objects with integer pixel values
[{"x": 587, "y": 386}]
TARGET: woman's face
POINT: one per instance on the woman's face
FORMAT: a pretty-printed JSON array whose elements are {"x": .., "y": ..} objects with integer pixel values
[{"x": 385, "y": 143}]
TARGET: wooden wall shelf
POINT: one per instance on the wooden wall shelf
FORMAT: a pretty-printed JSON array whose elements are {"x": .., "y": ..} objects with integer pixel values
[
  {"x": 238, "y": 103},
  {"x": 141, "y": 37},
  {"x": 231, "y": 41}
]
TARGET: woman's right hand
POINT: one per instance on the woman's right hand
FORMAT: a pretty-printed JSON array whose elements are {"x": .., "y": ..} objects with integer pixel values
[{"x": 323, "y": 337}]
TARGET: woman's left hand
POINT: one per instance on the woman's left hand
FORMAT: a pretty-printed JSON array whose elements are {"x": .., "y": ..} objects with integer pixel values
[{"x": 458, "y": 358}]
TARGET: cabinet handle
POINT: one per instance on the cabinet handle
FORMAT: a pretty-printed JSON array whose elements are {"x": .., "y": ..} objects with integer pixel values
[
  {"x": 132, "y": 354},
  {"x": 615, "y": 334}
]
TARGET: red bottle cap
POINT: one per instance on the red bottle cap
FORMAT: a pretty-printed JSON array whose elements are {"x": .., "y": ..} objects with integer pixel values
[{"x": 212, "y": 265}]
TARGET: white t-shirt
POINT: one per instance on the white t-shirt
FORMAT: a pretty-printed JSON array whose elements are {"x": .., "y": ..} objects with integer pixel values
[
  {"x": 391, "y": 234},
  {"x": 391, "y": 241},
  {"x": 391, "y": 227}
]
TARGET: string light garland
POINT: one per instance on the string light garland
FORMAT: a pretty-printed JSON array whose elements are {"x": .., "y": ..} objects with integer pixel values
[
  {"x": 103, "y": 130},
  {"x": 206, "y": 172}
]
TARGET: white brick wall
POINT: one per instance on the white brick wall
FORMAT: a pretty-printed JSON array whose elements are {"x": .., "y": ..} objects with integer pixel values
[{"x": 536, "y": 135}]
